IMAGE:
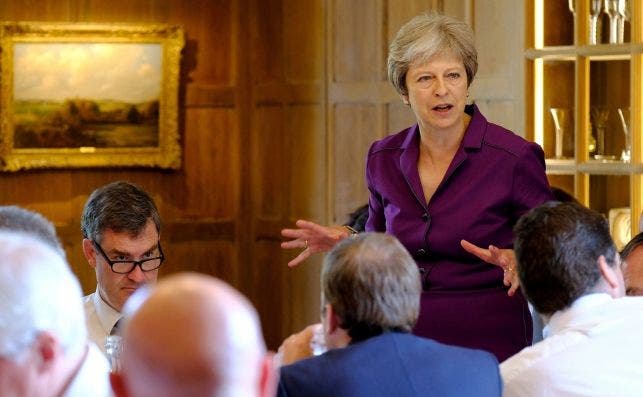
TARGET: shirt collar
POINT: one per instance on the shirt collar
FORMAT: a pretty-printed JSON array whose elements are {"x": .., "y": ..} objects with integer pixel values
[
  {"x": 582, "y": 314},
  {"x": 107, "y": 315}
]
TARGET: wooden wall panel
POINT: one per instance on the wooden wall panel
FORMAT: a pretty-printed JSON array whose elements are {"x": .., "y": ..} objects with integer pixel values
[
  {"x": 306, "y": 162},
  {"x": 215, "y": 257},
  {"x": 268, "y": 153},
  {"x": 358, "y": 52},
  {"x": 399, "y": 12},
  {"x": 355, "y": 129},
  {"x": 304, "y": 42},
  {"x": 211, "y": 167},
  {"x": 37, "y": 10},
  {"x": 267, "y": 42},
  {"x": 499, "y": 84},
  {"x": 287, "y": 158}
]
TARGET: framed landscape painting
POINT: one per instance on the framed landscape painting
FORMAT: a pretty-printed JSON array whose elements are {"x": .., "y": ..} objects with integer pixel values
[{"x": 89, "y": 95}]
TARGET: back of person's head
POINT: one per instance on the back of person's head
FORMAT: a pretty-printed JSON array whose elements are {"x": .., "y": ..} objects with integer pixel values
[
  {"x": 194, "y": 335},
  {"x": 119, "y": 206},
  {"x": 14, "y": 218},
  {"x": 38, "y": 293},
  {"x": 631, "y": 245},
  {"x": 557, "y": 248},
  {"x": 634, "y": 267},
  {"x": 373, "y": 285}
]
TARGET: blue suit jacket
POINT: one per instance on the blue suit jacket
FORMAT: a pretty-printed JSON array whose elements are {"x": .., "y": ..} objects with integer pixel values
[{"x": 394, "y": 364}]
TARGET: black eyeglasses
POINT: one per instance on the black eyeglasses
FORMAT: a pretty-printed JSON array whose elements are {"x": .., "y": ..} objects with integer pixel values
[{"x": 124, "y": 267}]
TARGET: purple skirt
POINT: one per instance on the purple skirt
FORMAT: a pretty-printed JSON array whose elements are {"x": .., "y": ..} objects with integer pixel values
[{"x": 486, "y": 319}]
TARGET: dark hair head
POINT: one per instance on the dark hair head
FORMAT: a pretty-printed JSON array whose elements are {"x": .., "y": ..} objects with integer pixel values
[
  {"x": 557, "y": 247},
  {"x": 633, "y": 243},
  {"x": 373, "y": 285},
  {"x": 118, "y": 206}
]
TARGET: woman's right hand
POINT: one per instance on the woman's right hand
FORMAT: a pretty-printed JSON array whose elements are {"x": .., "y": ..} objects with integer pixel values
[{"x": 312, "y": 238}]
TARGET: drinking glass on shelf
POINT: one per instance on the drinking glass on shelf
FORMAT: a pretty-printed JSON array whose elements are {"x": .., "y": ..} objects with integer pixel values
[
  {"x": 572, "y": 6},
  {"x": 595, "y": 9},
  {"x": 560, "y": 116},
  {"x": 623, "y": 11},
  {"x": 611, "y": 9},
  {"x": 591, "y": 144},
  {"x": 624, "y": 116},
  {"x": 599, "y": 120}
]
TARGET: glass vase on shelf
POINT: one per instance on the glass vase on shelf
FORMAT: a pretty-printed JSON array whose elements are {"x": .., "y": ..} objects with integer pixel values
[
  {"x": 595, "y": 8},
  {"x": 599, "y": 117},
  {"x": 560, "y": 116},
  {"x": 624, "y": 116},
  {"x": 612, "y": 13},
  {"x": 571, "y": 4},
  {"x": 623, "y": 10}
]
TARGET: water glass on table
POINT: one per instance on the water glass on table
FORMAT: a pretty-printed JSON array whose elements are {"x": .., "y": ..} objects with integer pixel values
[{"x": 113, "y": 350}]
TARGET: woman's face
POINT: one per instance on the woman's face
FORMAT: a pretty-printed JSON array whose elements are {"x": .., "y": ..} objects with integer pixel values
[{"x": 437, "y": 92}]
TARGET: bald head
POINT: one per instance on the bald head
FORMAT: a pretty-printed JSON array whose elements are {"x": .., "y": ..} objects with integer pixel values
[{"x": 193, "y": 336}]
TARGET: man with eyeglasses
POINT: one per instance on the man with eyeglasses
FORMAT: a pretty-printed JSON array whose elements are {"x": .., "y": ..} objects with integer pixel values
[{"x": 121, "y": 240}]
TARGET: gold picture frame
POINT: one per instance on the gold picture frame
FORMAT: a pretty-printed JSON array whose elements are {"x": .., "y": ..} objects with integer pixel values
[{"x": 89, "y": 95}]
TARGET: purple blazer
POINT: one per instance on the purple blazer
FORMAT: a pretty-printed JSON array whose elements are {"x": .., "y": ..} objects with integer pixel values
[{"x": 494, "y": 178}]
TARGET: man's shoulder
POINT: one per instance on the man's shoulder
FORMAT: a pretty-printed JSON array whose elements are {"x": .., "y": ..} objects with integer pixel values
[
  {"x": 89, "y": 303},
  {"x": 396, "y": 361},
  {"x": 88, "y": 298},
  {"x": 92, "y": 379},
  {"x": 411, "y": 343}
]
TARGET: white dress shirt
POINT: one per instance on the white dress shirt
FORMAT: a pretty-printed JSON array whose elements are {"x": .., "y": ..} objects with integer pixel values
[
  {"x": 92, "y": 378},
  {"x": 593, "y": 348},
  {"x": 100, "y": 318}
]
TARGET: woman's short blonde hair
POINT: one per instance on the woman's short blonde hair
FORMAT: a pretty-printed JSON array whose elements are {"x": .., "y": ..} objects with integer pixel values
[{"x": 424, "y": 36}]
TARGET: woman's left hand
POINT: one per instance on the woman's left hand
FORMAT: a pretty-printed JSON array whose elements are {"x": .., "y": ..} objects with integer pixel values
[{"x": 502, "y": 257}]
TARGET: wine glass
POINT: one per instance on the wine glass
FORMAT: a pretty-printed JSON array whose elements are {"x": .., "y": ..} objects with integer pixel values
[
  {"x": 560, "y": 116},
  {"x": 572, "y": 6},
  {"x": 594, "y": 11},
  {"x": 624, "y": 116},
  {"x": 113, "y": 350},
  {"x": 611, "y": 9},
  {"x": 623, "y": 11},
  {"x": 599, "y": 120}
]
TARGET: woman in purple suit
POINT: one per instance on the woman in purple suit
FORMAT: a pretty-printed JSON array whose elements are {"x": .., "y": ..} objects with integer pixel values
[{"x": 445, "y": 187}]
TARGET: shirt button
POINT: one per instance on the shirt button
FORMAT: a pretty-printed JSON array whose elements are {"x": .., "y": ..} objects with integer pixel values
[
  {"x": 421, "y": 252},
  {"x": 425, "y": 217}
]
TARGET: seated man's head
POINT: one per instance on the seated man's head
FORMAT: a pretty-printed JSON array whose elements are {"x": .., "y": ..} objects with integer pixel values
[
  {"x": 42, "y": 322},
  {"x": 17, "y": 219},
  {"x": 565, "y": 251},
  {"x": 370, "y": 285},
  {"x": 632, "y": 255},
  {"x": 121, "y": 228},
  {"x": 193, "y": 335}
]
